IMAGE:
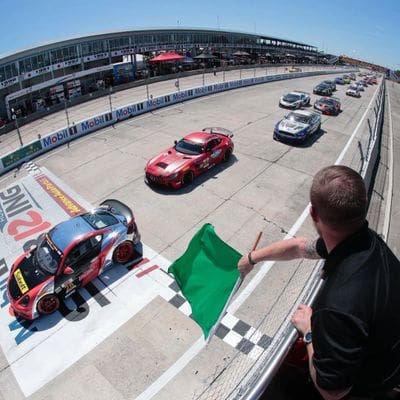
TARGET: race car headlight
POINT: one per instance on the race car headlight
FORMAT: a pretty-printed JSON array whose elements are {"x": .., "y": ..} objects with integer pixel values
[
  {"x": 172, "y": 176},
  {"x": 303, "y": 132},
  {"x": 24, "y": 301}
]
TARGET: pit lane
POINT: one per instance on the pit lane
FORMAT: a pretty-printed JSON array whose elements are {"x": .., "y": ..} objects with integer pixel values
[{"x": 264, "y": 187}]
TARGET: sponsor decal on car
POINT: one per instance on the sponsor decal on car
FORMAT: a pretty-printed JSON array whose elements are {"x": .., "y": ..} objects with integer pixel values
[{"x": 23, "y": 287}]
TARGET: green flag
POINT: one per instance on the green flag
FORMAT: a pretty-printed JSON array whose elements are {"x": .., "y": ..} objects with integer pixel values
[{"x": 206, "y": 274}]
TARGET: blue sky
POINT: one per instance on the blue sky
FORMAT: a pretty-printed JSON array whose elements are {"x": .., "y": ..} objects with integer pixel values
[{"x": 368, "y": 30}]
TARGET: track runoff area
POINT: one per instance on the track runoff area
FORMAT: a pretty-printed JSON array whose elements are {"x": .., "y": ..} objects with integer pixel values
[
  {"x": 40, "y": 196},
  {"x": 30, "y": 206}
]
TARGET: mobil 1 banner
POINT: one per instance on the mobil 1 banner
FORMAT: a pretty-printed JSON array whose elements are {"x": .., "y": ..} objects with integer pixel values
[
  {"x": 129, "y": 111},
  {"x": 55, "y": 139},
  {"x": 97, "y": 122}
]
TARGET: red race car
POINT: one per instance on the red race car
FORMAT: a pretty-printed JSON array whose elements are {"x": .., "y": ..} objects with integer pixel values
[
  {"x": 328, "y": 105},
  {"x": 69, "y": 256},
  {"x": 191, "y": 156}
]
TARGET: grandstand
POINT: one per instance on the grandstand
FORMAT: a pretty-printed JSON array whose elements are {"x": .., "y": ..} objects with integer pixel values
[
  {"x": 41, "y": 79},
  {"x": 360, "y": 63}
]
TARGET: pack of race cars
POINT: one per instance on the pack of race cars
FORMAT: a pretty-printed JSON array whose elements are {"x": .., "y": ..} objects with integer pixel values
[
  {"x": 75, "y": 252},
  {"x": 300, "y": 124}
]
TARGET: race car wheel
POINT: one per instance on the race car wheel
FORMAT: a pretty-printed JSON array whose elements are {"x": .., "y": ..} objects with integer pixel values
[
  {"x": 123, "y": 253},
  {"x": 48, "y": 304},
  {"x": 227, "y": 155},
  {"x": 187, "y": 178}
]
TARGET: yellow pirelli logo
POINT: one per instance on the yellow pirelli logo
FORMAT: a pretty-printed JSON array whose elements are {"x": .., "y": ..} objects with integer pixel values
[{"x": 23, "y": 287}]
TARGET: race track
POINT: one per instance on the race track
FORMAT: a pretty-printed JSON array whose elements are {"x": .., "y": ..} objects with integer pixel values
[{"x": 153, "y": 349}]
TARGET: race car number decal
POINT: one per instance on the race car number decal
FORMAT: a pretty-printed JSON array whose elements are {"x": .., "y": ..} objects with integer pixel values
[
  {"x": 205, "y": 163},
  {"x": 216, "y": 153},
  {"x": 23, "y": 287},
  {"x": 68, "y": 286}
]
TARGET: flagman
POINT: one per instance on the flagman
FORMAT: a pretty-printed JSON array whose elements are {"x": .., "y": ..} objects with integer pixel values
[{"x": 352, "y": 331}]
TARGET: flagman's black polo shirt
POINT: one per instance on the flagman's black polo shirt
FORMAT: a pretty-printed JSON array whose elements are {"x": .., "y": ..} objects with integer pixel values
[{"x": 356, "y": 316}]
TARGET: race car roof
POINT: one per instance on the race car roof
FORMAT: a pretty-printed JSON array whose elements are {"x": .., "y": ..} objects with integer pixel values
[
  {"x": 66, "y": 232},
  {"x": 303, "y": 112}
]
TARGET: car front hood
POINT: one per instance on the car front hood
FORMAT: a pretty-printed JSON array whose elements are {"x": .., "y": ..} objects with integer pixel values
[
  {"x": 322, "y": 106},
  {"x": 25, "y": 277},
  {"x": 167, "y": 163},
  {"x": 289, "y": 102},
  {"x": 291, "y": 127}
]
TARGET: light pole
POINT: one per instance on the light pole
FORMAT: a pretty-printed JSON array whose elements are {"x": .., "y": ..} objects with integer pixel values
[
  {"x": 146, "y": 72},
  {"x": 66, "y": 112},
  {"x": 15, "y": 118},
  {"x": 109, "y": 97}
]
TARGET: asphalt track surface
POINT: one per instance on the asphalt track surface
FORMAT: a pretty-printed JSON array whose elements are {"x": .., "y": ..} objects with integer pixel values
[{"x": 159, "y": 352}]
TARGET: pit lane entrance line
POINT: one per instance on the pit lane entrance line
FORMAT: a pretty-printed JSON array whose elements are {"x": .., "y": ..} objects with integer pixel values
[{"x": 171, "y": 372}]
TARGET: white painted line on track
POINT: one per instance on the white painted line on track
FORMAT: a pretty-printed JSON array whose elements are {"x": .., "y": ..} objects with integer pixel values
[
  {"x": 388, "y": 208},
  {"x": 266, "y": 266},
  {"x": 340, "y": 158},
  {"x": 171, "y": 372}
]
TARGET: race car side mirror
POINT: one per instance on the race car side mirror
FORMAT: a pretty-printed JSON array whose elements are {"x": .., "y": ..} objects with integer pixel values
[{"x": 68, "y": 271}]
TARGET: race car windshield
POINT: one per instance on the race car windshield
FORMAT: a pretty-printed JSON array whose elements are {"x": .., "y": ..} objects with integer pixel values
[
  {"x": 186, "y": 147},
  {"x": 298, "y": 118},
  {"x": 100, "y": 220},
  {"x": 47, "y": 258},
  {"x": 291, "y": 97}
]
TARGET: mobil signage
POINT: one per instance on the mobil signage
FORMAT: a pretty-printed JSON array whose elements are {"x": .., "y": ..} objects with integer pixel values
[
  {"x": 180, "y": 95},
  {"x": 126, "y": 112},
  {"x": 155, "y": 102},
  {"x": 55, "y": 139},
  {"x": 96, "y": 122}
]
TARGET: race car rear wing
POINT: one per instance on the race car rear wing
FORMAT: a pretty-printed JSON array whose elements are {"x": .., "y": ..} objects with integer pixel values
[
  {"x": 219, "y": 131},
  {"x": 117, "y": 206}
]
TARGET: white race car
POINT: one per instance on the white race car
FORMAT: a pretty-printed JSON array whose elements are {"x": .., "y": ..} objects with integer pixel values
[
  {"x": 353, "y": 91},
  {"x": 294, "y": 100}
]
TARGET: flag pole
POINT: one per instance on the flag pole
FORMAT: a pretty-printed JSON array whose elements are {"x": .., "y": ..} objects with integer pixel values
[{"x": 234, "y": 290}]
